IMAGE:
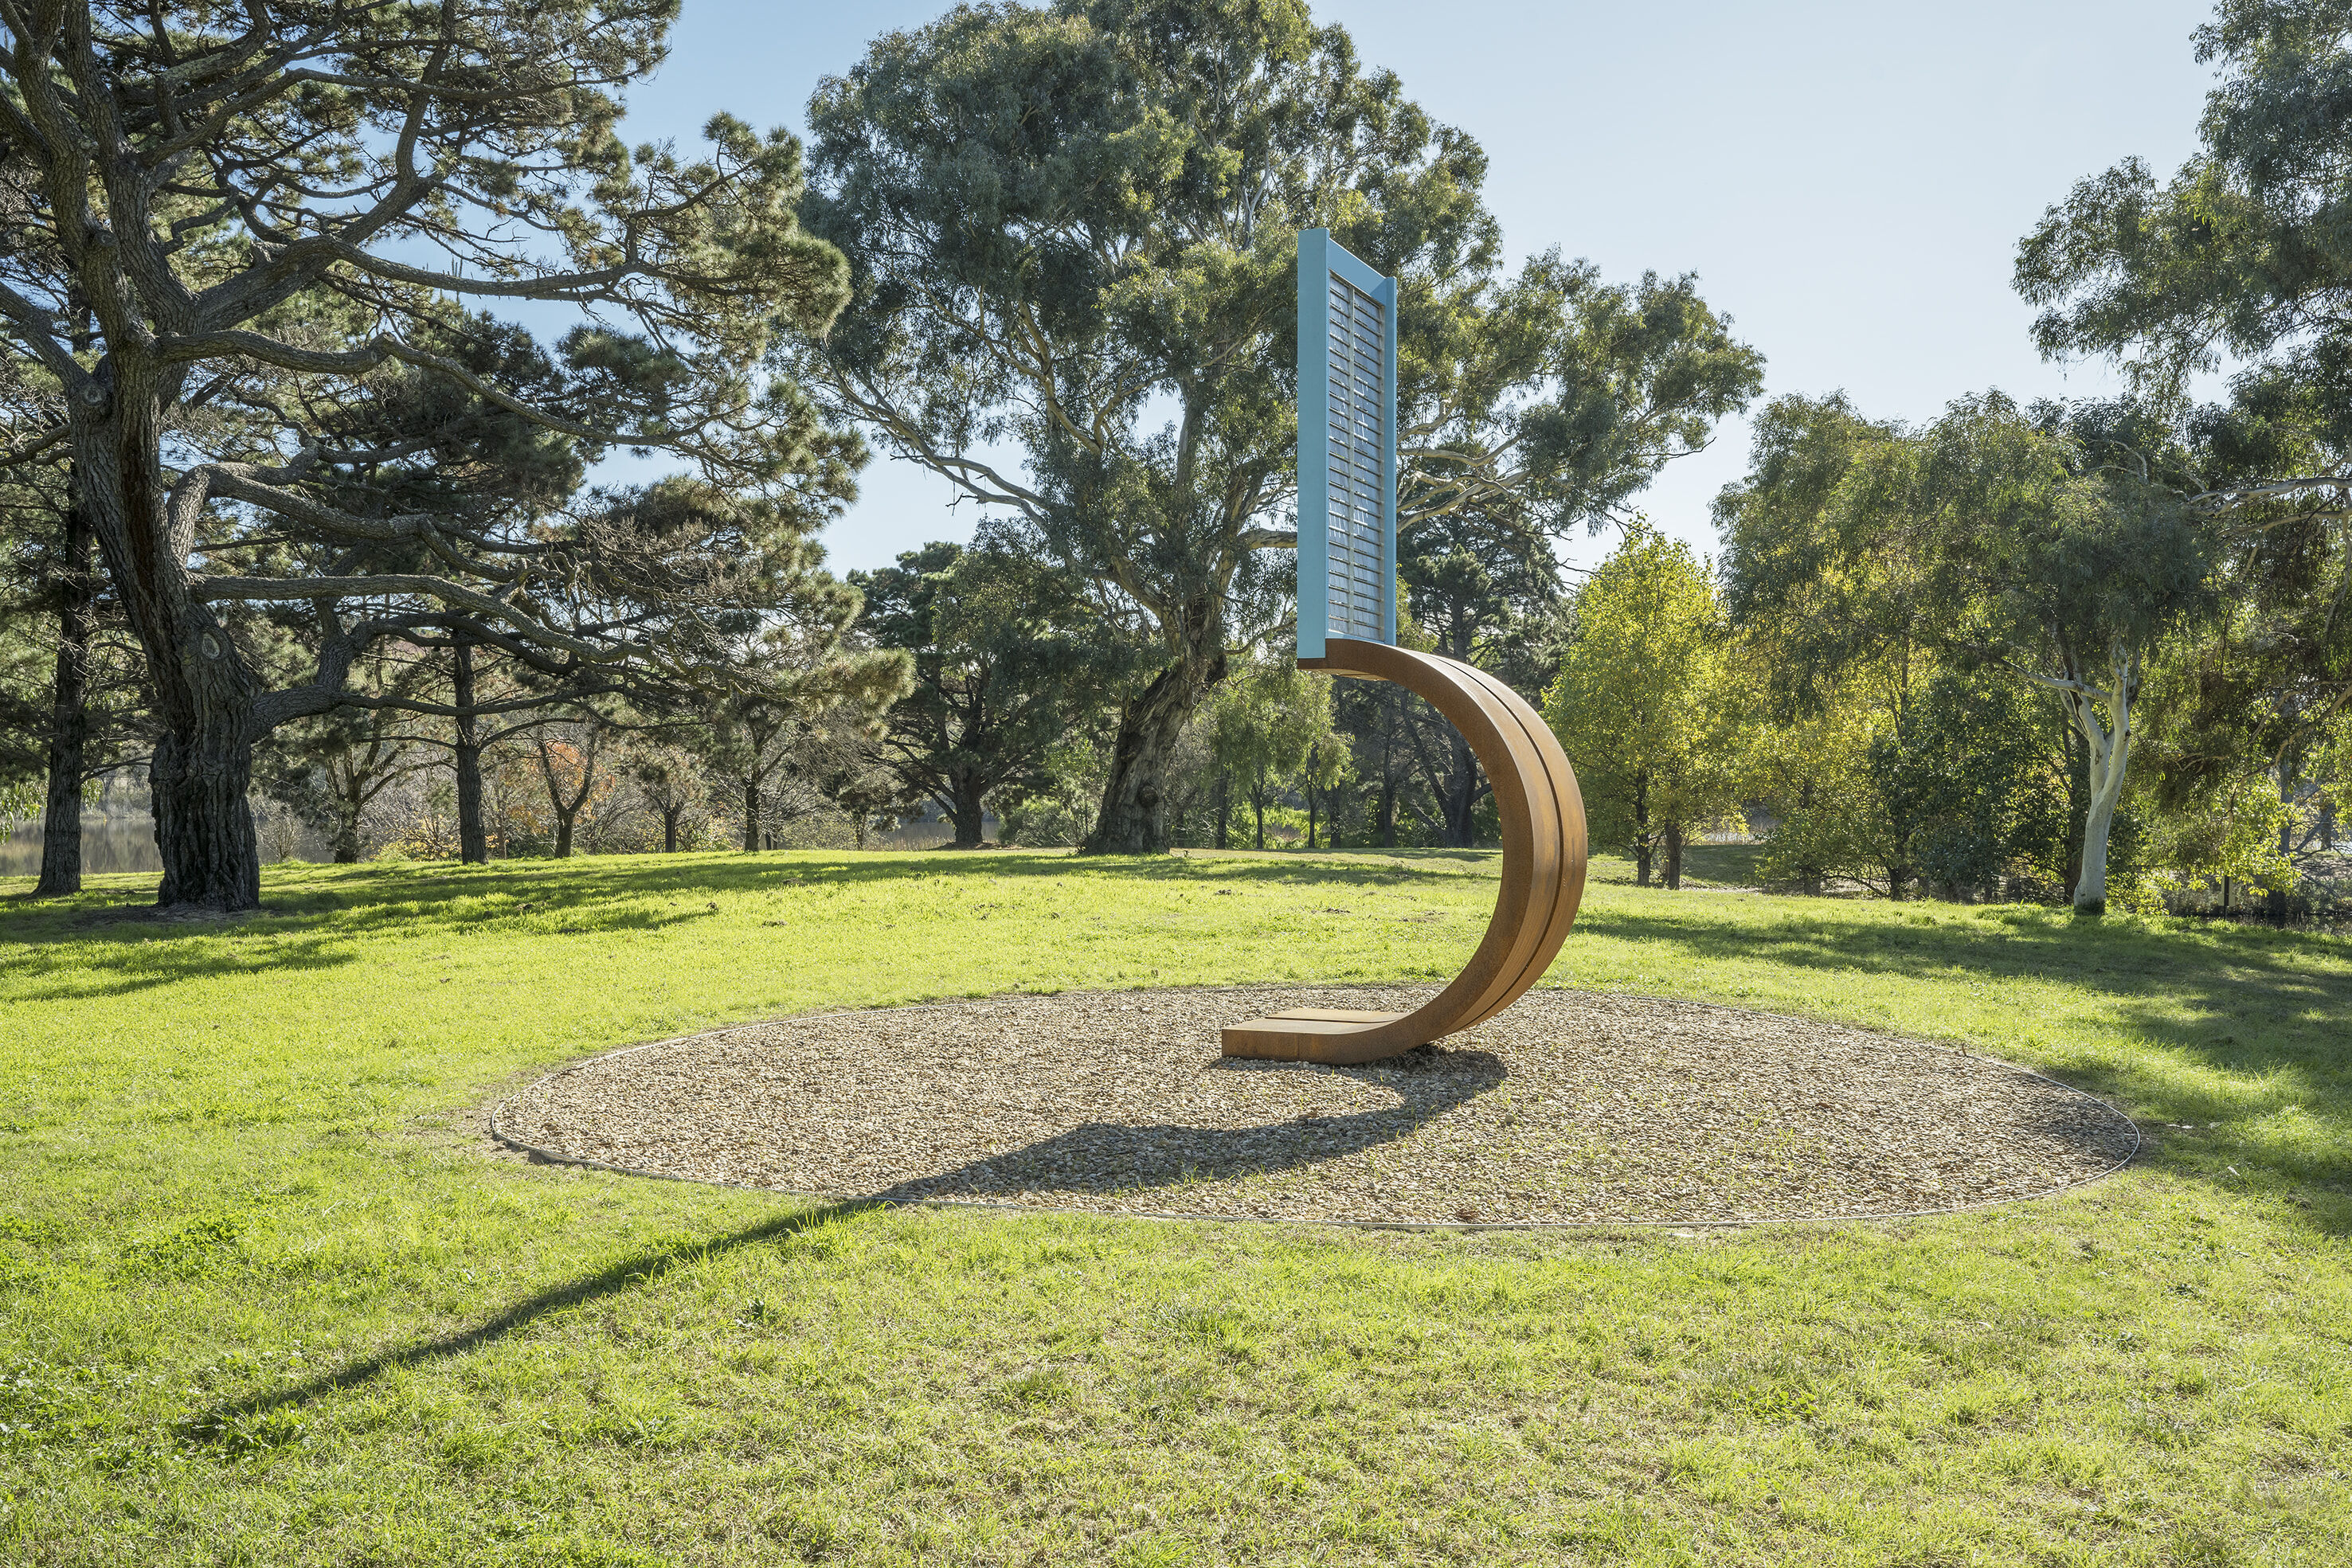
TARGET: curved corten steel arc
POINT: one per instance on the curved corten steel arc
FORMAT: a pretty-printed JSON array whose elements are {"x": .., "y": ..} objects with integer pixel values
[{"x": 1543, "y": 866}]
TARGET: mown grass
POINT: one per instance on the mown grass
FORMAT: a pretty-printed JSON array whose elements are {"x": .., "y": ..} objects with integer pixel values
[{"x": 267, "y": 1296}]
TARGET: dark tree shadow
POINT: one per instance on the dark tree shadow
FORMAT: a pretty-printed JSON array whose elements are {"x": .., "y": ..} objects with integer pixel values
[
  {"x": 1434, "y": 1081},
  {"x": 244, "y": 1423}
]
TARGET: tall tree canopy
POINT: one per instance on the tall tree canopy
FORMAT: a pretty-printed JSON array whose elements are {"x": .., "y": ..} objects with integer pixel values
[
  {"x": 232, "y": 212},
  {"x": 1071, "y": 233},
  {"x": 2241, "y": 262},
  {"x": 2060, "y": 545}
]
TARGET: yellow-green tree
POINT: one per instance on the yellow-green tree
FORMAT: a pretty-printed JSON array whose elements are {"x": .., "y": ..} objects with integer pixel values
[{"x": 1648, "y": 702}]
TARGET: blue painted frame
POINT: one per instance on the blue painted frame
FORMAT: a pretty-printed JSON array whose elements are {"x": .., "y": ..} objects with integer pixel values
[{"x": 1319, "y": 257}]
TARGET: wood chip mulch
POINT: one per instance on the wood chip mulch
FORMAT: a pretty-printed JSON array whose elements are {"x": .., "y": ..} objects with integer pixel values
[{"x": 1574, "y": 1107}]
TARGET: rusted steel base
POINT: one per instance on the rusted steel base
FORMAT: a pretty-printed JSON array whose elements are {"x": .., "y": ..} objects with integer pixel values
[{"x": 1543, "y": 866}]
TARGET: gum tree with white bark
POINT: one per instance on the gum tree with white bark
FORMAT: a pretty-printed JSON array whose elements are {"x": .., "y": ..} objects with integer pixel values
[{"x": 2061, "y": 544}]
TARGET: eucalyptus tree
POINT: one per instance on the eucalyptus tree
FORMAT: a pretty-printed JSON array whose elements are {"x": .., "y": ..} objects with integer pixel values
[
  {"x": 2240, "y": 261},
  {"x": 1071, "y": 233},
  {"x": 235, "y": 207},
  {"x": 1551, "y": 396},
  {"x": 2060, "y": 545}
]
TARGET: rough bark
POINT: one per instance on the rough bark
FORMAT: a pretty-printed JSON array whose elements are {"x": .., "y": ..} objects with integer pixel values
[
  {"x": 1673, "y": 857},
  {"x": 473, "y": 839},
  {"x": 1133, "y": 819},
  {"x": 68, "y": 715},
  {"x": 347, "y": 827},
  {"x": 206, "y": 698},
  {"x": 751, "y": 816},
  {"x": 967, "y": 811},
  {"x": 670, "y": 814}
]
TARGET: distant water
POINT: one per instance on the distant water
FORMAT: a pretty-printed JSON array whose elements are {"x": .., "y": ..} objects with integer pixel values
[
  {"x": 113, "y": 843},
  {"x": 107, "y": 843},
  {"x": 127, "y": 843}
]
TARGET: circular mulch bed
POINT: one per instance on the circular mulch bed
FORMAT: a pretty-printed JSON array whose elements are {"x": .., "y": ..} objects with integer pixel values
[{"x": 1574, "y": 1107}]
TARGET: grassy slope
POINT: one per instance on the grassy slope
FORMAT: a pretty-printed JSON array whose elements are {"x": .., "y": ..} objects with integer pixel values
[{"x": 265, "y": 1296}]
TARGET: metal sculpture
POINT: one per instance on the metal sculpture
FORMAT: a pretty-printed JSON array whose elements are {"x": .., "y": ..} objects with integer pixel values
[{"x": 1347, "y": 625}]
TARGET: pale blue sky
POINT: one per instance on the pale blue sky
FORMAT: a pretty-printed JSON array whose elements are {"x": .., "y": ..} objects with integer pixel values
[{"x": 1848, "y": 180}]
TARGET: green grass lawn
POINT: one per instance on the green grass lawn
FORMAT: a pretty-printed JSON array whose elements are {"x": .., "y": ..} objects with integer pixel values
[{"x": 267, "y": 1296}]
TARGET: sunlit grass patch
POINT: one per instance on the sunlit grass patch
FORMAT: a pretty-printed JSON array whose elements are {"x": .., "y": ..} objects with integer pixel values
[{"x": 267, "y": 1294}]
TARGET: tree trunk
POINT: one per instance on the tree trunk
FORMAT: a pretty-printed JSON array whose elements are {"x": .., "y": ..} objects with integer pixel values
[
  {"x": 968, "y": 812},
  {"x": 1257, "y": 806},
  {"x": 2091, "y": 888},
  {"x": 1388, "y": 813},
  {"x": 473, "y": 840},
  {"x": 68, "y": 715},
  {"x": 347, "y": 828},
  {"x": 1461, "y": 799},
  {"x": 1642, "y": 844},
  {"x": 1673, "y": 857},
  {"x": 2287, "y": 774},
  {"x": 563, "y": 834},
  {"x": 206, "y": 698},
  {"x": 751, "y": 816},
  {"x": 1310, "y": 814},
  {"x": 1224, "y": 811},
  {"x": 199, "y": 779},
  {"x": 2110, "y": 753},
  {"x": 1132, "y": 822},
  {"x": 670, "y": 814}
]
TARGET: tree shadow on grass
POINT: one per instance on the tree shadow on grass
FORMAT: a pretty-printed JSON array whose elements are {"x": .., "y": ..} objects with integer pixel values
[
  {"x": 1434, "y": 1081},
  {"x": 259, "y": 1420}
]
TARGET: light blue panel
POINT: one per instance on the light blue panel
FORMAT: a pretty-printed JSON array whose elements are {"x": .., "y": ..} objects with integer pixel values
[
  {"x": 1387, "y": 295},
  {"x": 1347, "y": 447},
  {"x": 1314, "y": 436}
]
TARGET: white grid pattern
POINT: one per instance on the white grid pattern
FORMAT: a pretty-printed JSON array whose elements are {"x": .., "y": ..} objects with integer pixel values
[{"x": 1355, "y": 574}]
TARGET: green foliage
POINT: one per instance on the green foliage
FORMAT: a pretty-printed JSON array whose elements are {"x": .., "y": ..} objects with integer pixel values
[
  {"x": 1270, "y": 726},
  {"x": 2235, "y": 831},
  {"x": 2241, "y": 256},
  {"x": 2057, "y": 546},
  {"x": 1112, "y": 191},
  {"x": 1008, "y": 658},
  {"x": 1055, "y": 808},
  {"x": 1966, "y": 774},
  {"x": 1812, "y": 775},
  {"x": 1648, "y": 703}
]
